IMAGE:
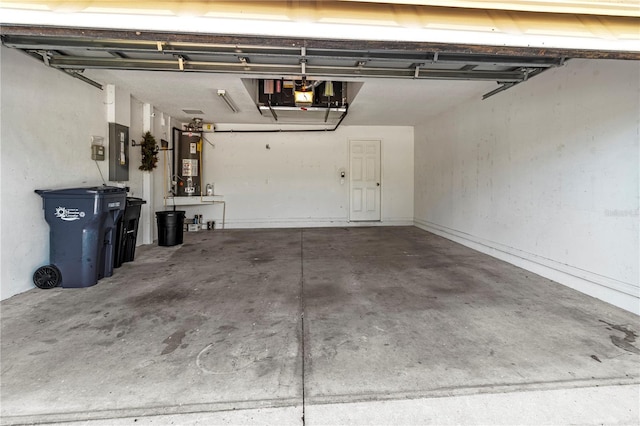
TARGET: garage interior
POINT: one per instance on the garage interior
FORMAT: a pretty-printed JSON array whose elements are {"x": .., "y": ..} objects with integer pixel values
[{"x": 495, "y": 265}]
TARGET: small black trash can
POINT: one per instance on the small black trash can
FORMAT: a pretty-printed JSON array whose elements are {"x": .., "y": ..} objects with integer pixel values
[
  {"x": 170, "y": 227},
  {"x": 82, "y": 224},
  {"x": 127, "y": 232}
]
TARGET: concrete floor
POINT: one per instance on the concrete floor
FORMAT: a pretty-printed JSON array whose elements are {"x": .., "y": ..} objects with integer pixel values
[{"x": 339, "y": 326}]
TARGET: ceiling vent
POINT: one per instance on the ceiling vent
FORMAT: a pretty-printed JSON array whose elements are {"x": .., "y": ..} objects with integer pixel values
[{"x": 193, "y": 111}]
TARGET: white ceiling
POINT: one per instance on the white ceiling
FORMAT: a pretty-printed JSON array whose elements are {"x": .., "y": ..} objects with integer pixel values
[{"x": 380, "y": 101}]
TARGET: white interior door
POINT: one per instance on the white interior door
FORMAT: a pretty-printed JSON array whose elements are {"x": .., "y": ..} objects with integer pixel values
[{"x": 364, "y": 161}]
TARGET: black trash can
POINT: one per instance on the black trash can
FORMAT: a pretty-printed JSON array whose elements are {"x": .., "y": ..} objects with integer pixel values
[
  {"x": 82, "y": 224},
  {"x": 127, "y": 232},
  {"x": 170, "y": 227}
]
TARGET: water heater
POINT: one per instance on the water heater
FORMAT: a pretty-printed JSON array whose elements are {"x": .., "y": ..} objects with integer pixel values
[{"x": 189, "y": 164}]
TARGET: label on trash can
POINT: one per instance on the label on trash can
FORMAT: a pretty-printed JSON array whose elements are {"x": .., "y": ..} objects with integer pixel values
[
  {"x": 116, "y": 204},
  {"x": 68, "y": 214}
]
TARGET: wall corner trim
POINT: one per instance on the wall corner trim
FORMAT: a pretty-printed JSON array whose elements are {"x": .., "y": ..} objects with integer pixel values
[{"x": 621, "y": 294}]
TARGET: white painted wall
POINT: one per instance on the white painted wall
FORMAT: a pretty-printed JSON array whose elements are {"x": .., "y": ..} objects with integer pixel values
[
  {"x": 118, "y": 105},
  {"x": 544, "y": 175},
  {"x": 296, "y": 182},
  {"x": 143, "y": 117},
  {"x": 48, "y": 119},
  {"x": 161, "y": 125},
  {"x": 135, "y": 154}
]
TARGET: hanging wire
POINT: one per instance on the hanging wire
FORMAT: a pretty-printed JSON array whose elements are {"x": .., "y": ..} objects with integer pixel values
[{"x": 103, "y": 181}]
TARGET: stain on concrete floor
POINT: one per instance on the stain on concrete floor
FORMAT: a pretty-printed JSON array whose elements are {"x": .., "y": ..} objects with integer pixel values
[
  {"x": 216, "y": 324},
  {"x": 626, "y": 343}
]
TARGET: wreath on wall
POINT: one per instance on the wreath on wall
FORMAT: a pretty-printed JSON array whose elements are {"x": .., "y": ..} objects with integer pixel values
[{"x": 149, "y": 152}]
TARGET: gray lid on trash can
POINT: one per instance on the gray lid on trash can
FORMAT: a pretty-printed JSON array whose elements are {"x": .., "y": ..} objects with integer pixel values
[
  {"x": 170, "y": 213},
  {"x": 82, "y": 191},
  {"x": 134, "y": 201}
]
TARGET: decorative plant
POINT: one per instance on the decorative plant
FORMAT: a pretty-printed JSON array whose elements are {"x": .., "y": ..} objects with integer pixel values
[{"x": 149, "y": 152}]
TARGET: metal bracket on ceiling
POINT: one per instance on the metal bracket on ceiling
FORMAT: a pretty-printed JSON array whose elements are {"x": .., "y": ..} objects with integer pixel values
[
  {"x": 159, "y": 45},
  {"x": 45, "y": 57},
  {"x": 528, "y": 73},
  {"x": 342, "y": 117},
  {"x": 416, "y": 72},
  {"x": 181, "y": 63},
  {"x": 244, "y": 61},
  {"x": 40, "y": 55},
  {"x": 78, "y": 74},
  {"x": 303, "y": 61},
  {"x": 275, "y": 116},
  {"x": 502, "y": 88},
  {"x": 435, "y": 57},
  {"x": 117, "y": 54}
]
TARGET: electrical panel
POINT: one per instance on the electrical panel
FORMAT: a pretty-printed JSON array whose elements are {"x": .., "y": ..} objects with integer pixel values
[
  {"x": 97, "y": 152},
  {"x": 118, "y": 152}
]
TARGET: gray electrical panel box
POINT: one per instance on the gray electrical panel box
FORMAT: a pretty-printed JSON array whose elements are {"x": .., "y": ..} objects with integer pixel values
[{"x": 118, "y": 152}]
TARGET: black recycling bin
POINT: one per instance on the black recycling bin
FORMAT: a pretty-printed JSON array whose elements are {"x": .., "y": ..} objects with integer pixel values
[
  {"x": 127, "y": 232},
  {"x": 82, "y": 224},
  {"x": 170, "y": 227}
]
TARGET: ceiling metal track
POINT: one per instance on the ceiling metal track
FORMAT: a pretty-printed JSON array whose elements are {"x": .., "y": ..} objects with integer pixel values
[
  {"x": 74, "y": 62},
  {"x": 179, "y": 48},
  {"x": 75, "y": 50},
  {"x": 56, "y": 33}
]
